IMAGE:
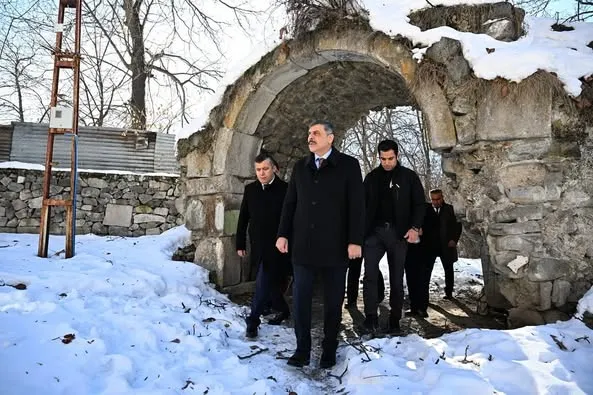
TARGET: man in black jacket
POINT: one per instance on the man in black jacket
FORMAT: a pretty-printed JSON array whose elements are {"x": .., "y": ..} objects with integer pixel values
[
  {"x": 441, "y": 235},
  {"x": 322, "y": 226},
  {"x": 260, "y": 212},
  {"x": 394, "y": 215}
]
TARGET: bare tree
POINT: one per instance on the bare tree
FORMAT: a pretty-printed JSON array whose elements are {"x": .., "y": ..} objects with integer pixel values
[
  {"x": 404, "y": 125},
  {"x": 22, "y": 73},
  {"x": 163, "y": 42}
]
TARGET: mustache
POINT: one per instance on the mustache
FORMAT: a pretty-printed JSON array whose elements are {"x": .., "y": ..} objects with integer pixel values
[{"x": 311, "y": 141}]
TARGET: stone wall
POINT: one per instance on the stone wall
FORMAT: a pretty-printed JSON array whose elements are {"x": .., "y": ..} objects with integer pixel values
[{"x": 107, "y": 204}]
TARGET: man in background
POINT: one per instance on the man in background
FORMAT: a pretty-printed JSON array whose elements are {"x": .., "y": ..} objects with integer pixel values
[
  {"x": 260, "y": 215},
  {"x": 441, "y": 232}
]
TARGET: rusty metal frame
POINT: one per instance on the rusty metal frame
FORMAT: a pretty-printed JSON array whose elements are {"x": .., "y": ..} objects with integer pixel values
[{"x": 63, "y": 60}]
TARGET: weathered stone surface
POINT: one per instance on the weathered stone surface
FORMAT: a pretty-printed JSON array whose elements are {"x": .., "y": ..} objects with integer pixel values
[
  {"x": 553, "y": 316},
  {"x": 97, "y": 183},
  {"x": 518, "y": 213},
  {"x": 214, "y": 185},
  {"x": 522, "y": 174},
  {"x": 231, "y": 145},
  {"x": 2, "y": 211},
  {"x": 520, "y": 292},
  {"x": 502, "y": 30},
  {"x": 546, "y": 268},
  {"x": 520, "y": 317},
  {"x": 521, "y": 243},
  {"x": 532, "y": 195},
  {"x": 195, "y": 215},
  {"x": 545, "y": 295},
  {"x": 518, "y": 228},
  {"x": 162, "y": 211},
  {"x": 90, "y": 192},
  {"x": 510, "y": 117},
  {"x": 465, "y": 127},
  {"x": 560, "y": 292},
  {"x": 118, "y": 216},
  {"x": 141, "y": 218},
  {"x": 18, "y": 205},
  {"x": 36, "y": 202}
]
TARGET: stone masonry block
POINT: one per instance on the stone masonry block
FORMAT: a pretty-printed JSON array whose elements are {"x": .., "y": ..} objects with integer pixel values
[{"x": 118, "y": 215}]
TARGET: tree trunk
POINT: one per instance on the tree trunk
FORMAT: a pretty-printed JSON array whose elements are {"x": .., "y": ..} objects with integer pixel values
[
  {"x": 137, "y": 64},
  {"x": 17, "y": 84}
]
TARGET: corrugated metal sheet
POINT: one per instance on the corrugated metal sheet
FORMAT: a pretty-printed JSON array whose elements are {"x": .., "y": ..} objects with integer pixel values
[
  {"x": 98, "y": 149},
  {"x": 5, "y": 142},
  {"x": 164, "y": 153}
]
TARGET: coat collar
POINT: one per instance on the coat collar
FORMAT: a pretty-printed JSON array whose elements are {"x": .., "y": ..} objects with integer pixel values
[{"x": 332, "y": 159}]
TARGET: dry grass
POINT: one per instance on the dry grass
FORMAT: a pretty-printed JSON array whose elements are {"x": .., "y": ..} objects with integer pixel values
[{"x": 306, "y": 15}]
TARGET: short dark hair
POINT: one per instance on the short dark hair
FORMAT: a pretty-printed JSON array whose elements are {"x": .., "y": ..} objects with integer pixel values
[
  {"x": 387, "y": 145},
  {"x": 327, "y": 126},
  {"x": 262, "y": 156}
]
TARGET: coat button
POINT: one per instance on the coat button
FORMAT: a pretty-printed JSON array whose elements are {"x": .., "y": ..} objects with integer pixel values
[
  {"x": 316, "y": 181},
  {"x": 313, "y": 203},
  {"x": 312, "y": 226}
]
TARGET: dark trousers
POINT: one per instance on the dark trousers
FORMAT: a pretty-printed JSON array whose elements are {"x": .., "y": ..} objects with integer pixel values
[
  {"x": 268, "y": 292},
  {"x": 354, "y": 269},
  {"x": 381, "y": 241},
  {"x": 449, "y": 272},
  {"x": 418, "y": 271},
  {"x": 333, "y": 281}
]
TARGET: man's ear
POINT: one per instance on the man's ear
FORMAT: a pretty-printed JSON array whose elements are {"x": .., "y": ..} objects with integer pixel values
[{"x": 331, "y": 138}]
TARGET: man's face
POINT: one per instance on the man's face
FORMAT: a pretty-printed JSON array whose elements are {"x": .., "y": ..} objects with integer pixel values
[
  {"x": 388, "y": 159},
  {"x": 265, "y": 171},
  {"x": 436, "y": 199},
  {"x": 319, "y": 140}
]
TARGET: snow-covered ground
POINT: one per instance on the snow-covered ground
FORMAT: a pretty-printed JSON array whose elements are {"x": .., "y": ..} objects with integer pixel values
[{"x": 122, "y": 318}]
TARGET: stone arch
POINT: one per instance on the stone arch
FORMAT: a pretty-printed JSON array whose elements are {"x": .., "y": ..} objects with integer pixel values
[
  {"x": 255, "y": 108},
  {"x": 510, "y": 152}
]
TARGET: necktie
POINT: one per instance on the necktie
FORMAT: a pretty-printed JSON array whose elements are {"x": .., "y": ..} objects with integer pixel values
[{"x": 320, "y": 162}]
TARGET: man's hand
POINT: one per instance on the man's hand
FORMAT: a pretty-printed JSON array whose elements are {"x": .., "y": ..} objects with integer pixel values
[
  {"x": 242, "y": 253},
  {"x": 282, "y": 244},
  {"x": 452, "y": 244},
  {"x": 354, "y": 251},
  {"x": 411, "y": 236}
]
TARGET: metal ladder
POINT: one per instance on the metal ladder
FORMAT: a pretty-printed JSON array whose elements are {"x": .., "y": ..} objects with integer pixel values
[{"x": 60, "y": 124}]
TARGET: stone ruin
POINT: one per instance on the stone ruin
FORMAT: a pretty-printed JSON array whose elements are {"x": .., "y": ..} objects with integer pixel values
[{"x": 517, "y": 157}]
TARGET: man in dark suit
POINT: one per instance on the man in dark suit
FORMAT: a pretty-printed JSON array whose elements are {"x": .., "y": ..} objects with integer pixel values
[
  {"x": 441, "y": 232},
  {"x": 394, "y": 199},
  {"x": 322, "y": 226},
  {"x": 260, "y": 213}
]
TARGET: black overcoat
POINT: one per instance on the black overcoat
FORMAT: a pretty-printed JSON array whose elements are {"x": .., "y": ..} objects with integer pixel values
[
  {"x": 260, "y": 215},
  {"x": 408, "y": 199},
  {"x": 439, "y": 229},
  {"x": 323, "y": 210}
]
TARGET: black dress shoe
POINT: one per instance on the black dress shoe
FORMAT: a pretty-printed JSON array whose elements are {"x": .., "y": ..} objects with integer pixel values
[
  {"x": 328, "y": 359},
  {"x": 251, "y": 331},
  {"x": 299, "y": 360},
  {"x": 278, "y": 318},
  {"x": 448, "y": 296},
  {"x": 394, "y": 327},
  {"x": 422, "y": 313},
  {"x": 371, "y": 323}
]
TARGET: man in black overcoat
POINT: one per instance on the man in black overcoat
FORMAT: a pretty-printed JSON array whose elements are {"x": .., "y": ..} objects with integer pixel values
[
  {"x": 322, "y": 227},
  {"x": 441, "y": 232},
  {"x": 394, "y": 199},
  {"x": 260, "y": 215}
]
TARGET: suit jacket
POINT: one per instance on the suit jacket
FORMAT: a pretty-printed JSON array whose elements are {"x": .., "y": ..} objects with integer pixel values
[
  {"x": 323, "y": 210},
  {"x": 260, "y": 214},
  {"x": 408, "y": 199},
  {"x": 439, "y": 229}
]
